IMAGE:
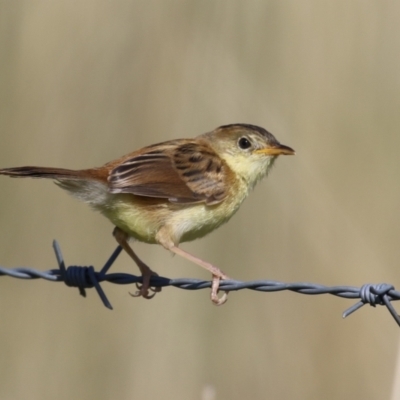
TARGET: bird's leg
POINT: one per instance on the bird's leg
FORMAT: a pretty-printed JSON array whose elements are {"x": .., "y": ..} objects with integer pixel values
[
  {"x": 217, "y": 274},
  {"x": 122, "y": 238}
]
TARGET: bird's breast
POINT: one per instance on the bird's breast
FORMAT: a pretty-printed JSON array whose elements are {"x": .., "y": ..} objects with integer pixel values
[{"x": 142, "y": 218}]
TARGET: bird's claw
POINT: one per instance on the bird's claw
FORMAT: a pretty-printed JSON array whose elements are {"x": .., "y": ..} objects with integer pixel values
[
  {"x": 154, "y": 289},
  {"x": 143, "y": 289},
  {"x": 218, "y": 301},
  {"x": 143, "y": 293}
]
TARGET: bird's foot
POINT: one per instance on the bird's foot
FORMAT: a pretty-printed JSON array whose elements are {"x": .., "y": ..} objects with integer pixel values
[
  {"x": 218, "y": 301},
  {"x": 144, "y": 289}
]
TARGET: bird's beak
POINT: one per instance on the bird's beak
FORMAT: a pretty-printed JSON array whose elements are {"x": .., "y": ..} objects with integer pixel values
[{"x": 280, "y": 149}]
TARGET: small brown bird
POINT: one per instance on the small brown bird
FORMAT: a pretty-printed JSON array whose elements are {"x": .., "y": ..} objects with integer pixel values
[{"x": 172, "y": 192}]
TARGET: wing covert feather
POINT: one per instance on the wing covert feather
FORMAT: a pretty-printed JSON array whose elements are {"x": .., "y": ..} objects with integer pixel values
[{"x": 183, "y": 172}]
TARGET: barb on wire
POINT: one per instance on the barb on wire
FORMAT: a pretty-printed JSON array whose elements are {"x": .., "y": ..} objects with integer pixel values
[{"x": 86, "y": 277}]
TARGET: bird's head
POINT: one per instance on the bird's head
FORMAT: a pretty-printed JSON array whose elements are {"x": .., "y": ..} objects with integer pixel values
[{"x": 249, "y": 150}]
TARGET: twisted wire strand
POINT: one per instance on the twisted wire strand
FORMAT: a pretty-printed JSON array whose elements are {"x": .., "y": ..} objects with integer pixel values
[{"x": 84, "y": 277}]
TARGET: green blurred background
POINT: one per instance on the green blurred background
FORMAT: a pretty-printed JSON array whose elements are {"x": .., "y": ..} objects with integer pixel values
[{"x": 83, "y": 82}]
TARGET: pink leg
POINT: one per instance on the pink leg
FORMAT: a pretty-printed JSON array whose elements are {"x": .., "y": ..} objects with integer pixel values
[
  {"x": 217, "y": 274},
  {"x": 122, "y": 238}
]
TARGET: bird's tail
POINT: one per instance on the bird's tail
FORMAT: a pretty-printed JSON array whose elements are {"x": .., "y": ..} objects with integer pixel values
[
  {"x": 39, "y": 172},
  {"x": 43, "y": 172},
  {"x": 88, "y": 185}
]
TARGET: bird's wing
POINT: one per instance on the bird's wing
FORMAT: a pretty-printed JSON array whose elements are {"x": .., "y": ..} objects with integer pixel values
[{"x": 182, "y": 171}]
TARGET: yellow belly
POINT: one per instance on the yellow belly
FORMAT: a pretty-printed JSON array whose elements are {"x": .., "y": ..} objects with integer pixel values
[{"x": 142, "y": 218}]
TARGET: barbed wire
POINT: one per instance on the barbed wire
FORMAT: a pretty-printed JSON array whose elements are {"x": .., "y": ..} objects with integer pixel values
[{"x": 84, "y": 277}]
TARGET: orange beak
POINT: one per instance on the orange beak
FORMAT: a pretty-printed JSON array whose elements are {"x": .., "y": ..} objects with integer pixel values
[{"x": 281, "y": 149}]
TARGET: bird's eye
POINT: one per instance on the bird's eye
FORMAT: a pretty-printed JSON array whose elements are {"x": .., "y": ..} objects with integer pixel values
[{"x": 244, "y": 143}]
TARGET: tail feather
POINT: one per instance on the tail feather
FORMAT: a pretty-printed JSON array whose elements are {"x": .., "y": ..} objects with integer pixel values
[
  {"x": 87, "y": 185},
  {"x": 43, "y": 172}
]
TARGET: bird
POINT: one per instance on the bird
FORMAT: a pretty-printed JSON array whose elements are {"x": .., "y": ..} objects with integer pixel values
[{"x": 174, "y": 191}]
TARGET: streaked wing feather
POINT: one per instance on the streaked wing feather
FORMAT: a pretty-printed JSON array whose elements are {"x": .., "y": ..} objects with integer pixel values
[
  {"x": 202, "y": 170},
  {"x": 183, "y": 172}
]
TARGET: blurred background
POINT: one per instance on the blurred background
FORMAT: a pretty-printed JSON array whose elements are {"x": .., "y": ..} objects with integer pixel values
[{"x": 84, "y": 82}]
